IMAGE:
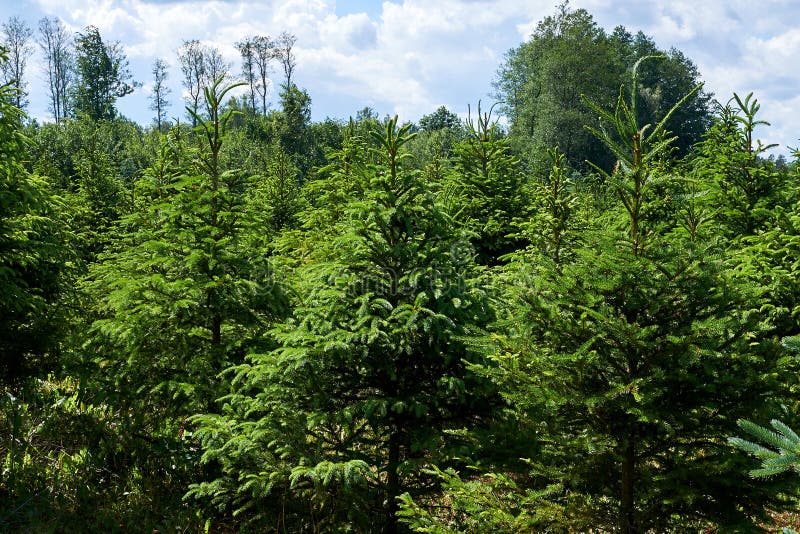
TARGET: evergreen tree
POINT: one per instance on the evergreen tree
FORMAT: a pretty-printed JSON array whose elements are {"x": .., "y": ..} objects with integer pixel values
[
  {"x": 340, "y": 182},
  {"x": 778, "y": 449},
  {"x": 278, "y": 195},
  {"x": 336, "y": 424},
  {"x": 661, "y": 84},
  {"x": 100, "y": 197},
  {"x": 490, "y": 187},
  {"x": 744, "y": 184},
  {"x": 34, "y": 258},
  {"x": 782, "y": 452},
  {"x": 293, "y": 125},
  {"x": 180, "y": 297},
  {"x": 641, "y": 344},
  {"x": 559, "y": 219},
  {"x": 754, "y": 203}
]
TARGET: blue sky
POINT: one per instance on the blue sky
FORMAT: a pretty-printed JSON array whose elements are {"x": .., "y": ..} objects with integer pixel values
[{"x": 411, "y": 56}]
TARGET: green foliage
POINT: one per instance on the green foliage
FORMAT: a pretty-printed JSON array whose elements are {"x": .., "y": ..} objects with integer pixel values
[
  {"x": 557, "y": 223},
  {"x": 309, "y": 326},
  {"x": 568, "y": 54},
  {"x": 746, "y": 187},
  {"x": 432, "y": 150},
  {"x": 370, "y": 372},
  {"x": 338, "y": 183},
  {"x": 492, "y": 503},
  {"x": 663, "y": 83},
  {"x": 638, "y": 152},
  {"x": 67, "y": 468},
  {"x": 785, "y": 453},
  {"x": 441, "y": 119},
  {"x": 181, "y": 296},
  {"x": 35, "y": 262},
  {"x": 782, "y": 450},
  {"x": 490, "y": 188},
  {"x": 183, "y": 258},
  {"x": 103, "y": 76},
  {"x": 637, "y": 342},
  {"x": 276, "y": 197},
  {"x": 292, "y": 128}
]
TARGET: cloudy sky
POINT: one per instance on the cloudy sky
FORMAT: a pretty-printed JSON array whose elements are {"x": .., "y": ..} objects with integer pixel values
[{"x": 411, "y": 56}]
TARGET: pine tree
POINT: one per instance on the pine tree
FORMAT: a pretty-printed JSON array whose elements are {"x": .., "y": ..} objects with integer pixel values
[
  {"x": 100, "y": 197},
  {"x": 340, "y": 182},
  {"x": 278, "y": 194},
  {"x": 337, "y": 423},
  {"x": 554, "y": 229},
  {"x": 782, "y": 450},
  {"x": 777, "y": 449},
  {"x": 755, "y": 205}
]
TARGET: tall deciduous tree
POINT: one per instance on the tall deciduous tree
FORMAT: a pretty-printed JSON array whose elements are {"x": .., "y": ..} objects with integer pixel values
[
  {"x": 257, "y": 53},
  {"x": 18, "y": 41},
  {"x": 567, "y": 55},
  {"x": 440, "y": 119},
  {"x": 55, "y": 43},
  {"x": 215, "y": 67},
  {"x": 542, "y": 80},
  {"x": 283, "y": 51},
  {"x": 202, "y": 65},
  {"x": 263, "y": 56},
  {"x": 190, "y": 57},
  {"x": 247, "y": 52},
  {"x": 103, "y": 75},
  {"x": 158, "y": 96}
]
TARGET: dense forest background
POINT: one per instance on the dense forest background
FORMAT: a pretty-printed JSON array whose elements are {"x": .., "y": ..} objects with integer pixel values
[{"x": 243, "y": 320}]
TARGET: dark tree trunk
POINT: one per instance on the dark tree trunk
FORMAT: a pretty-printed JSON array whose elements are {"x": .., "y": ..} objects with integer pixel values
[
  {"x": 627, "y": 519},
  {"x": 393, "y": 482}
]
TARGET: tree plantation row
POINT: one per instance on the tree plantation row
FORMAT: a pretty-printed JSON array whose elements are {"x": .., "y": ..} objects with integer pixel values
[{"x": 249, "y": 321}]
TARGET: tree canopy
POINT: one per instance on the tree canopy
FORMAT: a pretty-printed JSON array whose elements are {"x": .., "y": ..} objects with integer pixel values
[
  {"x": 103, "y": 75},
  {"x": 574, "y": 310},
  {"x": 568, "y": 55}
]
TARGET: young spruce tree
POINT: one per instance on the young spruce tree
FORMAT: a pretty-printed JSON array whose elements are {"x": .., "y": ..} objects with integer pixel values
[
  {"x": 34, "y": 258},
  {"x": 327, "y": 431},
  {"x": 643, "y": 360},
  {"x": 180, "y": 297},
  {"x": 491, "y": 187}
]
